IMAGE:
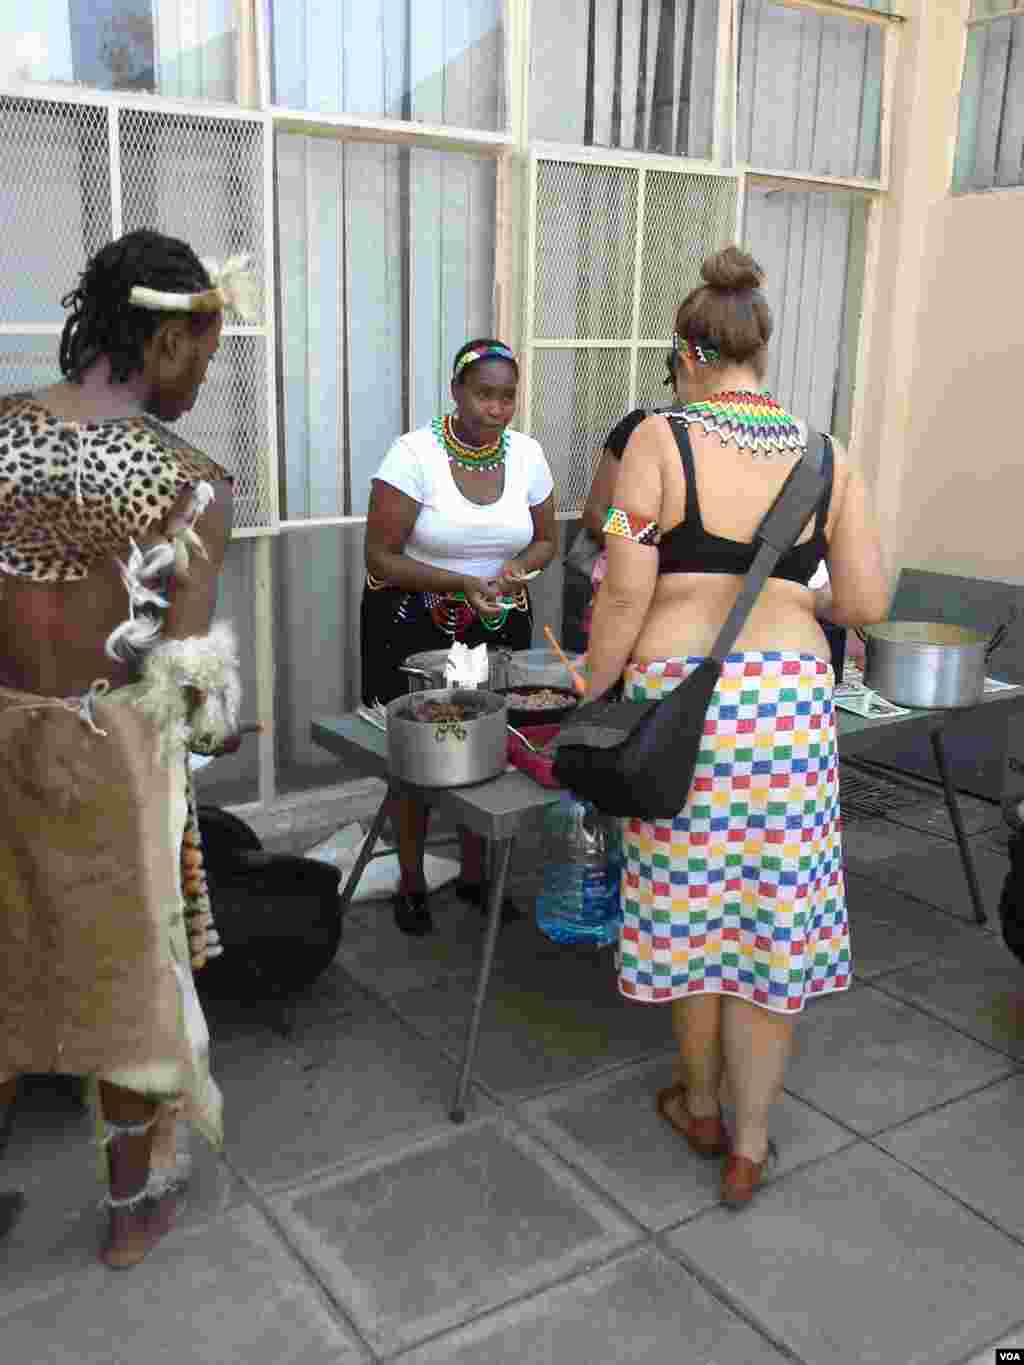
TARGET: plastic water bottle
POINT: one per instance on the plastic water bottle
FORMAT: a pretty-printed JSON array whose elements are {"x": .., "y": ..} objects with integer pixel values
[{"x": 579, "y": 898}]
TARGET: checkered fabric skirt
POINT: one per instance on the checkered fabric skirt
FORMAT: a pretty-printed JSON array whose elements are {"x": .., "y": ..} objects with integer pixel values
[{"x": 742, "y": 892}]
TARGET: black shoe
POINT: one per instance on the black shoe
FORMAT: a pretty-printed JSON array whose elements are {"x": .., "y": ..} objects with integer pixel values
[
  {"x": 411, "y": 913},
  {"x": 12, "y": 1205},
  {"x": 470, "y": 892}
]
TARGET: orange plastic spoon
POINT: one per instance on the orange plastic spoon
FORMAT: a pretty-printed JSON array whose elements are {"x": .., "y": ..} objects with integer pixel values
[{"x": 577, "y": 679}]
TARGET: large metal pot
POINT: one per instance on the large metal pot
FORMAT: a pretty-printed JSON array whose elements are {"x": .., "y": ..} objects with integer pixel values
[
  {"x": 448, "y": 753},
  {"x": 927, "y": 663},
  {"x": 427, "y": 669}
]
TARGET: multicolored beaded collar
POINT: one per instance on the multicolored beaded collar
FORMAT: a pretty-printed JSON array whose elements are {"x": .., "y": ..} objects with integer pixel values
[
  {"x": 753, "y": 421},
  {"x": 465, "y": 456}
]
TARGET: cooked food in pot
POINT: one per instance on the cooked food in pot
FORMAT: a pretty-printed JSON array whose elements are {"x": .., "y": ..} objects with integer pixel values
[
  {"x": 544, "y": 699},
  {"x": 436, "y": 712}
]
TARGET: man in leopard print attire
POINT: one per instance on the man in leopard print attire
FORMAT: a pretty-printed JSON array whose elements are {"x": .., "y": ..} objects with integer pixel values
[{"x": 112, "y": 536}]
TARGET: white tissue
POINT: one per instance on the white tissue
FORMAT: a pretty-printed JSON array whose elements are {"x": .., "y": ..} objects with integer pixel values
[{"x": 466, "y": 667}]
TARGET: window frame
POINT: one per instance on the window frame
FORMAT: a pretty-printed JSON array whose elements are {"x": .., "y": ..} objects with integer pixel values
[
  {"x": 972, "y": 22},
  {"x": 511, "y": 149}
]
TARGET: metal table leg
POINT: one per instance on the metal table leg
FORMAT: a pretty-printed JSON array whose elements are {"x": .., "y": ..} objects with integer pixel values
[
  {"x": 365, "y": 854},
  {"x": 952, "y": 805},
  {"x": 498, "y": 860}
]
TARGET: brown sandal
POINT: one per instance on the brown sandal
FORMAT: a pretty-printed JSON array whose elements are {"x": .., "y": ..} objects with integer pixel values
[
  {"x": 707, "y": 1137},
  {"x": 741, "y": 1177}
]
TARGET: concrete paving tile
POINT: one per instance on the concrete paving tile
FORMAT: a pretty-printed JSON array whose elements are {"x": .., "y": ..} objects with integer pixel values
[
  {"x": 383, "y": 959},
  {"x": 857, "y": 1261},
  {"x": 234, "y": 1020},
  {"x": 549, "y": 1018},
  {"x": 932, "y": 816},
  {"x": 1014, "y": 1340},
  {"x": 970, "y": 1149},
  {"x": 978, "y": 987},
  {"x": 224, "y": 1293},
  {"x": 642, "y": 1307},
  {"x": 873, "y": 844},
  {"x": 928, "y": 869},
  {"x": 456, "y": 1225},
  {"x": 341, "y": 1085},
  {"x": 53, "y": 1157},
  {"x": 609, "y": 1127},
  {"x": 870, "y": 1061},
  {"x": 888, "y": 930}
]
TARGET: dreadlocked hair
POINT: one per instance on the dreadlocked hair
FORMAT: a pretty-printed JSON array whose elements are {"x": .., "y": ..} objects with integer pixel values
[{"x": 104, "y": 322}]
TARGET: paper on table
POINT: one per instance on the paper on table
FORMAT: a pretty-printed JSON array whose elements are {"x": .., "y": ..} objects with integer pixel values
[
  {"x": 466, "y": 667},
  {"x": 861, "y": 701}
]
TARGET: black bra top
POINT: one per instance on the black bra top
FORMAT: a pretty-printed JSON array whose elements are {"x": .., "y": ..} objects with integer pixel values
[{"x": 688, "y": 548}]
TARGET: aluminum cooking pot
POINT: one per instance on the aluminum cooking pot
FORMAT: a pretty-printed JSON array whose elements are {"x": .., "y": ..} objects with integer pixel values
[
  {"x": 927, "y": 663},
  {"x": 447, "y": 753},
  {"x": 426, "y": 669}
]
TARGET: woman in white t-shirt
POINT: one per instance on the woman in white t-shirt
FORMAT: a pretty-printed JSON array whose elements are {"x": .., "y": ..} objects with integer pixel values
[{"x": 460, "y": 512}]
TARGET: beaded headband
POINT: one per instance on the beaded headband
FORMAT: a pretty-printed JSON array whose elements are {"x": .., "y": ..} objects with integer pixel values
[
  {"x": 484, "y": 353},
  {"x": 234, "y": 286},
  {"x": 704, "y": 355}
]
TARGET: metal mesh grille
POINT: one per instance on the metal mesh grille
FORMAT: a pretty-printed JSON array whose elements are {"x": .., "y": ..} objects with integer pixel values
[
  {"x": 869, "y": 796},
  {"x": 585, "y": 250},
  {"x": 589, "y": 270},
  {"x": 229, "y": 423},
  {"x": 28, "y": 362},
  {"x": 55, "y": 173},
  {"x": 651, "y": 372},
  {"x": 577, "y": 396},
  {"x": 197, "y": 178},
  {"x": 685, "y": 218}
]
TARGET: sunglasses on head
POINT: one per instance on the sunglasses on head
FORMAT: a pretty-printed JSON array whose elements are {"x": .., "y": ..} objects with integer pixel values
[{"x": 672, "y": 359}]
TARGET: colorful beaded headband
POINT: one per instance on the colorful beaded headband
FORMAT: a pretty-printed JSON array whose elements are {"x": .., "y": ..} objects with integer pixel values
[
  {"x": 704, "y": 355},
  {"x": 233, "y": 285},
  {"x": 484, "y": 353}
]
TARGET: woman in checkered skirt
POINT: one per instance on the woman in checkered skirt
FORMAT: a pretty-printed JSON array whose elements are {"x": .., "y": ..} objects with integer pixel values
[{"x": 734, "y": 911}]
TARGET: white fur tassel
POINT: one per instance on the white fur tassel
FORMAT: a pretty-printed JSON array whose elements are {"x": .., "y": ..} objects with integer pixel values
[
  {"x": 207, "y": 663},
  {"x": 140, "y": 633}
]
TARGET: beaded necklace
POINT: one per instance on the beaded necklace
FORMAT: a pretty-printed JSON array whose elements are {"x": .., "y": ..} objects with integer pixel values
[
  {"x": 753, "y": 421},
  {"x": 465, "y": 456}
]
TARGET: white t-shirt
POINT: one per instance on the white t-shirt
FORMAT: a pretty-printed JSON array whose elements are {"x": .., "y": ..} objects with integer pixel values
[{"x": 451, "y": 532}]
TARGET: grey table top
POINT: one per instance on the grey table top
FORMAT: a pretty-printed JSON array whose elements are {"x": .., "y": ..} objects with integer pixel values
[
  {"x": 496, "y": 808},
  {"x": 857, "y": 734}
]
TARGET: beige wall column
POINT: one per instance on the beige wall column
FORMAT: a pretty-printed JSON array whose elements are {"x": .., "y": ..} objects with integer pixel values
[
  {"x": 963, "y": 478},
  {"x": 924, "y": 112}
]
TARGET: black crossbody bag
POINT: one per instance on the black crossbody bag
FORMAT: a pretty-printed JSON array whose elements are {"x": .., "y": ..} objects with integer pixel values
[{"x": 637, "y": 759}]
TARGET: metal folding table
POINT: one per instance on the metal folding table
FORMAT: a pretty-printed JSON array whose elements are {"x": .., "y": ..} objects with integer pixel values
[{"x": 496, "y": 810}]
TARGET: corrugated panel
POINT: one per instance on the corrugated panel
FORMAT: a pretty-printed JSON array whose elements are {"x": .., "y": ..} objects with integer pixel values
[
  {"x": 636, "y": 74},
  {"x": 990, "y": 148},
  {"x": 809, "y": 94}
]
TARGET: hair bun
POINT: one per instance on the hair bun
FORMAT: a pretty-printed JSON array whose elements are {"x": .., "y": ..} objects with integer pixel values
[{"x": 732, "y": 271}]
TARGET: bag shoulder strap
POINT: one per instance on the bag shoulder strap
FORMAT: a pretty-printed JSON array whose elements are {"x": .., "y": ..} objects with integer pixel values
[
  {"x": 779, "y": 529},
  {"x": 828, "y": 472}
]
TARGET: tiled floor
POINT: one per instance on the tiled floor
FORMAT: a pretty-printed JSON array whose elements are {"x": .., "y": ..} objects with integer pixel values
[{"x": 564, "y": 1224}]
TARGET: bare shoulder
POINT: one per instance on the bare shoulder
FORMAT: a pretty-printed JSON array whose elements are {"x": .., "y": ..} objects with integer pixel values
[{"x": 651, "y": 440}]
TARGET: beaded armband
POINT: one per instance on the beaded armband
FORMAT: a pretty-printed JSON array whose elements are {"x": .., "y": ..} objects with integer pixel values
[{"x": 620, "y": 523}]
